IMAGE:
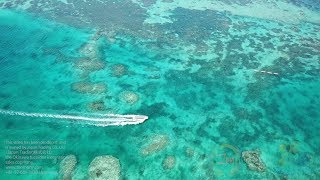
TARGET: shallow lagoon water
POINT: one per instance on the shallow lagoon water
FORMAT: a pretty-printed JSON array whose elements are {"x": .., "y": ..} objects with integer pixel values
[{"x": 195, "y": 70}]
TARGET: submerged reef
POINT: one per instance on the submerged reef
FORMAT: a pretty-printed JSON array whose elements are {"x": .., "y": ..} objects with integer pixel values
[
  {"x": 253, "y": 160},
  {"x": 96, "y": 106},
  {"x": 287, "y": 151},
  {"x": 189, "y": 152},
  {"x": 104, "y": 168},
  {"x": 67, "y": 166},
  {"x": 197, "y": 76},
  {"x": 290, "y": 148},
  {"x": 158, "y": 143},
  {"x": 120, "y": 15},
  {"x": 87, "y": 64},
  {"x": 92, "y": 56},
  {"x": 169, "y": 162},
  {"x": 129, "y": 97},
  {"x": 119, "y": 70},
  {"x": 196, "y": 25},
  {"x": 91, "y": 48},
  {"x": 89, "y": 87}
]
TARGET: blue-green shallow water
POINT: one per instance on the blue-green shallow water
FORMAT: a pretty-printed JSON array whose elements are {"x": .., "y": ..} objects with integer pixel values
[{"x": 200, "y": 93}]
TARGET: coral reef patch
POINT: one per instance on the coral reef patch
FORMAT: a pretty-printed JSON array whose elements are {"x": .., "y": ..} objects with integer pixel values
[
  {"x": 129, "y": 97},
  {"x": 157, "y": 143},
  {"x": 253, "y": 160},
  {"x": 169, "y": 162},
  {"x": 104, "y": 168},
  {"x": 67, "y": 167},
  {"x": 89, "y": 87},
  {"x": 96, "y": 106}
]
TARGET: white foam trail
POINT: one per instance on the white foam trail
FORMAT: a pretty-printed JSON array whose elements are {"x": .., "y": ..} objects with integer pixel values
[
  {"x": 266, "y": 72},
  {"x": 104, "y": 120}
]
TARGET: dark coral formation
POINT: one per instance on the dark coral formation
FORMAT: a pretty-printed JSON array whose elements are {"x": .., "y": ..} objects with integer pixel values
[
  {"x": 311, "y": 4},
  {"x": 253, "y": 160},
  {"x": 96, "y": 106},
  {"x": 124, "y": 14},
  {"x": 196, "y": 25}
]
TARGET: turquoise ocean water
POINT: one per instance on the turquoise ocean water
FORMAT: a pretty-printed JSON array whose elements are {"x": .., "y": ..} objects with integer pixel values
[{"x": 194, "y": 71}]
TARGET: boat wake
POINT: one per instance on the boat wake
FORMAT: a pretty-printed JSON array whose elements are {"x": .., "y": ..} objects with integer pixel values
[{"x": 97, "y": 120}]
